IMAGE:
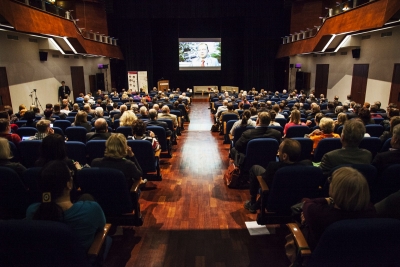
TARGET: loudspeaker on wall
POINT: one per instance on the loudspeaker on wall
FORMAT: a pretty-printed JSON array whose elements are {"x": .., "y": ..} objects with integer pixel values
[
  {"x": 42, "y": 56},
  {"x": 356, "y": 53}
]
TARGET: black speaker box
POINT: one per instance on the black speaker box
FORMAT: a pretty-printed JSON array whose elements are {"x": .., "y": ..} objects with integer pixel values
[
  {"x": 43, "y": 56},
  {"x": 356, "y": 53},
  {"x": 291, "y": 66},
  {"x": 100, "y": 81}
]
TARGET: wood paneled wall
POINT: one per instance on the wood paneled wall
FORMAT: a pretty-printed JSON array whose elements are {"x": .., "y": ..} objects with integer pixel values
[
  {"x": 306, "y": 15},
  {"x": 92, "y": 16}
]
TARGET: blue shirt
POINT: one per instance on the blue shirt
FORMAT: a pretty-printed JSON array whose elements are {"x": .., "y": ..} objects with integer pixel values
[{"x": 84, "y": 217}]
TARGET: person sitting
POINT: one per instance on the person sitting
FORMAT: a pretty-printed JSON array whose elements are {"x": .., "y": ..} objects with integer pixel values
[
  {"x": 391, "y": 113},
  {"x": 65, "y": 109},
  {"x": 5, "y": 156},
  {"x": 100, "y": 114},
  {"x": 389, "y": 206},
  {"x": 154, "y": 122},
  {"x": 101, "y": 131},
  {"x": 341, "y": 119},
  {"x": 352, "y": 134},
  {"x": 44, "y": 129},
  {"x": 5, "y": 129},
  {"x": 273, "y": 114},
  {"x": 261, "y": 131},
  {"x": 294, "y": 120},
  {"x": 122, "y": 109},
  {"x": 394, "y": 120},
  {"x": 349, "y": 198},
  {"x": 57, "y": 112},
  {"x": 326, "y": 126},
  {"x": 385, "y": 159},
  {"x": 289, "y": 153},
  {"x": 365, "y": 116},
  {"x": 127, "y": 118},
  {"x": 84, "y": 217},
  {"x": 30, "y": 118},
  {"x": 167, "y": 115},
  {"x": 88, "y": 109},
  {"x": 81, "y": 120},
  {"x": 374, "y": 112},
  {"x": 140, "y": 133},
  {"x": 119, "y": 155},
  {"x": 244, "y": 122},
  {"x": 229, "y": 110}
]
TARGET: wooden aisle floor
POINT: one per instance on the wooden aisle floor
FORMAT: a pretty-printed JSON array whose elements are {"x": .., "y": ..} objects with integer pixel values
[{"x": 190, "y": 217}]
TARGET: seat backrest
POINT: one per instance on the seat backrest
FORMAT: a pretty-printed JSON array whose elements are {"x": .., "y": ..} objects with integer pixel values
[
  {"x": 95, "y": 149},
  {"x": 58, "y": 130},
  {"x": 76, "y": 133},
  {"x": 306, "y": 147},
  {"x": 297, "y": 131},
  {"x": 144, "y": 154},
  {"x": 26, "y": 131},
  {"x": 14, "y": 151},
  {"x": 281, "y": 121},
  {"x": 31, "y": 178},
  {"x": 374, "y": 130},
  {"x": 109, "y": 189},
  {"x": 260, "y": 151},
  {"x": 292, "y": 184},
  {"x": 63, "y": 124},
  {"x": 239, "y": 131},
  {"x": 169, "y": 123},
  {"x": 378, "y": 120},
  {"x": 70, "y": 118},
  {"x": 358, "y": 242},
  {"x": 388, "y": 182},
  {"x": 229, "y": 125},
  {"x": 13, "y": 195},
  {"x": 324, "y": 146},
  {"x": 373, "y": 144},
  {"x": 176, "y": 112},
  {"x": 228, "y": 117},
  {"x": 339, "y": 130},
  {"x": 386, "y": 145},
  {"x": 125, "y": 130},
  {"x": 39, "y": 243},
  {"x": 21, "y": 122},
  {"x": 278, "y": 128},
  {"x": 161, "y": 136},
  {"x": 29, "y": 152},
  {"x": 76, "y": 151}
]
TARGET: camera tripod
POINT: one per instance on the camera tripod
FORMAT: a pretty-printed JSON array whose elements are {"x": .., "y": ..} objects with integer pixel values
[{"x": 35, "y": 102}]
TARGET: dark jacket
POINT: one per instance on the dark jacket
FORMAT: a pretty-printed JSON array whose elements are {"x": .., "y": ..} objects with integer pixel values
[{"x": 258, "y": 132}]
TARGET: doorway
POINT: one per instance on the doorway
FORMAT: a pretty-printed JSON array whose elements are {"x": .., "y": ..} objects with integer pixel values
[
  {"x": 395, "y": 89},
  {"x": 321, "y": 79},
  {"x": 5, "y": 98},
  {"x": 78, "y": 81},
  {"x": 359, "y": 82}
]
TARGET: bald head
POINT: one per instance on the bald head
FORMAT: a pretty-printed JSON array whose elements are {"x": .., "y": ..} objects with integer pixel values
[
  {"x": 165, "y": 109},
  {"x": 101, "y": 125}
]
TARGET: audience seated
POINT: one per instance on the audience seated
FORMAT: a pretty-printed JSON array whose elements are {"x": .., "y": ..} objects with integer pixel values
[
  {"x": 244, "y": 122},
  {"x": 349, "y": 198},
  {"x": 289, "y": 153},
  {"x": 30, "y": 118},
  {"x": 81, "y": 120},
  {"x": 5, "y": 129},
  {"x": 341, "y": 119},
  {"x": 166, "y": 115},
  {"x": 140, "y": 133},
  {"x": 101, "y": 131},
  {"x": 44, "y": 129},
  {"x": 154, "y": 122},
  {"x": 385, "y": 159},
  {"x": 294, "y": 120},
  {"x": 127, "y": 118},
  {"x": 350, "y": 153},
  {"x": 326, "y": 126},
  {"x": 395, "y": 120},
  {"x": 84, "y": 217},
  {"x": 119, "y": 155},
  {"x": 57, "y": 112},
  {"x": 389, "y": 207},
  {"x": 5, "y": 156}
]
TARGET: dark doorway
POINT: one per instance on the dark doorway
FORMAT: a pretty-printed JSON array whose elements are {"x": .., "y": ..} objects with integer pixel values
[
  {"x": 5, "y": 98},
  {"x": 359, "y": 82},
  {"x": 321, "y": 79},
  {"x": 395, "y": 90},
  {"x": 78, "y": 80}
]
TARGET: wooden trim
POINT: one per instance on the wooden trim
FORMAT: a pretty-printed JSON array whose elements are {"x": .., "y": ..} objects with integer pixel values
[
  {"x": 299, "y": 239},
  {"x": 98, "y": 241}
]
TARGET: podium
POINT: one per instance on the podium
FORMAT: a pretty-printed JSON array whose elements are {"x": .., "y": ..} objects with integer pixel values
[{"x": 163, "y": 85}]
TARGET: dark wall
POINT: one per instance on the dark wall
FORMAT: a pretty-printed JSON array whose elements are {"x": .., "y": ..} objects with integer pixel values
[{"x": 250, "y": 33}]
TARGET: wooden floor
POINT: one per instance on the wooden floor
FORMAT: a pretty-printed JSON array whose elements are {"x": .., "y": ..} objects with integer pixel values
[{"x": 190, "y": 217}]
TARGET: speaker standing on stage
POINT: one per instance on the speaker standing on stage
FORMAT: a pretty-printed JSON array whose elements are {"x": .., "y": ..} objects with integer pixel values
[{"x": 63, "y": 90}]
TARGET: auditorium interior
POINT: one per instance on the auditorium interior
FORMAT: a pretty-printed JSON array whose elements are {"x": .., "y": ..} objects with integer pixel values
[{"x": 189, "y": 216}]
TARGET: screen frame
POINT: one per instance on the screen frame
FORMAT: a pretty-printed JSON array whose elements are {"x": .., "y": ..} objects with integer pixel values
[{"x": 199, "y": 40}]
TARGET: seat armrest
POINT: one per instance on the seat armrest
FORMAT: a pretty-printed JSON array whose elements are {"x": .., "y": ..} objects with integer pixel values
[
  {"x": 157, "y": 153},
  {"x": 135, "y": 186},
  {"x": 299, "y": 239},
  {"x": 98, "y": 241},
  {"x": 263, "y": 184},
  {"x": 230, "y": 137}
]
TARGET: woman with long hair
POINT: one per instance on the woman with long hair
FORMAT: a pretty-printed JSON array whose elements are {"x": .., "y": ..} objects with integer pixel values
[
  {"x": 341, "y": 119},
  {"x": 244, "y": 122},
  {"x": 295, "y": 119},
  {"x": 6, "y": 156},
  {"x": 55, "y": 184},
  {"x": 127, "y": 118},
  {"x": 81, "y": 120}
]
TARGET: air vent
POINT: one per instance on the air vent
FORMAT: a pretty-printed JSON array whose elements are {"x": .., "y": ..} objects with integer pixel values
[
  {"x": 365, "y": 37},
  {"x": 55, "y": 56},
  {"x": 323, "y": 55},
  {"x": 332, "y": 54},
  {"x": 84, "y": 57},
  {"x": 66, "y": 56},
  {"x": 12, "y": 37},
  {"x": 76, "y": 57},
  {"x": 32, "y": 40},
  {"x": 386, "y": 34},
  {"x": 343, "y": 53}
]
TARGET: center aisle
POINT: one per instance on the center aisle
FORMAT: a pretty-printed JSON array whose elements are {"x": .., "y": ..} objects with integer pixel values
[{"x": 190, "y": 217}]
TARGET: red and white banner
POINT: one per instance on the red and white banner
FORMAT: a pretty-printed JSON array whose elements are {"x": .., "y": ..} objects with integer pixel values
[{"x": 133, "y": 81}]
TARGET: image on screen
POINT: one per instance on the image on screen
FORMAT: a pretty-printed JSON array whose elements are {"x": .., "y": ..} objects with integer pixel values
[{"x": 199, "y": 54}]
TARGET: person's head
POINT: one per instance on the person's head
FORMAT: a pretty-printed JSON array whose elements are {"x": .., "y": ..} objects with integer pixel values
[
  {"x": 5, "y": 152},
  {"x": 349, "y": 189},
  {"x": 295, "y": 116},
  {"x": 62, "y": 83},
  {"x": 353, "y": 132},
  {"x": 275, "y": 108},
  {"x": 318, "y": 118},
  {"x": 263, "y": 119},
  {"x": 80, "y": 117},
  {"x": 357, "y": 108},
  {"x": 395, "y": 142},
  {"x": 4, "y": 115},
  {"x": 87, "y": 108},
  {"x": 378, "y": 104},
  {"x": 230, "y": 106},
  {"x": 327, "y": 125},
  {"x": 43, "y": 126},
  {"x": 341, "y": 118},
  {"x": 99, "y": 111},
  {"x": 225, "y": 102},
  {"x": 390, "y": 106},
  {"x": 315, "y": 109},
  {"x": 165, "y": 109},
  {"x": 289, "y": 150},
  {"x": 202, "y": 50},
  {"x": 365, "y": 115},
  {"x": 123, "y": 108},
  {"x": 57, "y": 107},
  {"x": 75, "y": 107},
  {"x": 246, "y": 114},
  {"x": 143, "y": 111},
  {"x": 330, "y": 105},
  {"x": 156, "y": 106},
  {"x": 348, "y": 97},
  {"x": 338, "y": 109},
  {"x": 29, "y": 115},
  {"x": 138, "y": 128},
  {"x": 115, "y": 105},
  {"x": 253, "y": 111},
  {"x": 116, "y": 146},
  {"x": 393, "y": 112},
  {"x": 153, "y": 114},
  {"x": 374, "y": 108},
  {"x": 272, "y": 114},
  {"x": 101, "y": 126},
  {"x": 4, "y": 126},
  {"x": 393, "y": 122},
  {"x": 127, "y": 118},
  {"x": 53, "y": 148},
  {"x": 55, "y": 182},
  {"x": 367, "y": 105}
]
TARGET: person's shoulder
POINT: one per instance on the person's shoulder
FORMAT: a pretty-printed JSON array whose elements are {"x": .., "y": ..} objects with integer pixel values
[{"x": 30, "y": 211}]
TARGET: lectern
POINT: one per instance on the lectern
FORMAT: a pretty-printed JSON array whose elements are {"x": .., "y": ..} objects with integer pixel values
[{"x": 163, "y": 85}]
